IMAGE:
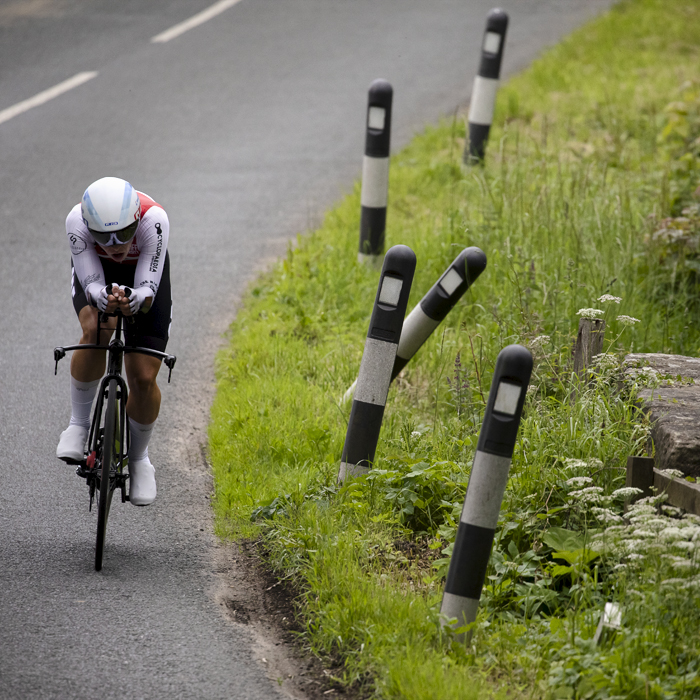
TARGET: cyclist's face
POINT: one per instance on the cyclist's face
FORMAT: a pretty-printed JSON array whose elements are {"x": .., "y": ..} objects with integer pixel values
[{"x": 117, "y": 252}]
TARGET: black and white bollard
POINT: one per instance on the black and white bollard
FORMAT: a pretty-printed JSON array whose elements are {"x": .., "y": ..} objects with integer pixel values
[
  {"x": 487, "y": 484},
  {"x": 437, "y": 303},
  {"x": 377, "y": 362},
  {"x": 375, "y": 172},
  {"x": 483, "y": 99},
  {"x": 434, "y": 307}
]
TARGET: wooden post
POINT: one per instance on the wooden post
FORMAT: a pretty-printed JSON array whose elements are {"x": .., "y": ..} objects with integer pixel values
[
  {"x": 640, "y": 475},
  {"x": 589, "y": 343}
]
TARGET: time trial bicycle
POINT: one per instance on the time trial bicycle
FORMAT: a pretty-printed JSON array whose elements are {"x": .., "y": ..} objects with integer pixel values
[{"x": 105, "y": 464}]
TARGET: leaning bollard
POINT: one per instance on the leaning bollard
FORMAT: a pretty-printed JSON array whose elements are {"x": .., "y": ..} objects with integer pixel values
[
  {"x": 433, "y": 308},
  {"x": 377, "y": 360},
  {"x": 437, "y": 303},
  {"x": 483, "y": 99},
  {"x": 487, "y": 483},
  {"x": 375, "y": 172}
]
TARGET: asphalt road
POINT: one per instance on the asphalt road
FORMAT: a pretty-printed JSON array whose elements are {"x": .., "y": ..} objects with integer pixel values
[{"x": 245, "y": 129}]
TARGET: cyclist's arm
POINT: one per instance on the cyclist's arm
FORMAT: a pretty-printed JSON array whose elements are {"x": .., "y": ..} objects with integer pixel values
[
  {"x": 153, "y": 243},
  {"x": 86, "y": 262}
]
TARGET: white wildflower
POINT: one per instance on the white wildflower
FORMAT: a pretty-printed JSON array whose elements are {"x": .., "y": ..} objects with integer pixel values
[
  {"x": 672, "y": 511},
  {"x": 626, "y": 492},
  {"x": 415, "y": 434},
  {"x": 633, "y": 546},
  {"x": 653, "y": 500},
  {"x": 614, "y": 530},
  {"x": 579, "y": 481},
  {"x": 680, "y": 564},
  {"x": 673, "y": 582},
  {"x": 590, "y": 313},
  {"x": 539, "y": 342},
  {"x": 682, "y": 544},
  {"x": 657, "y": 524},
  {"x": 692, "y": 585},
  {"x": 606, "y": 515},
  {"x": 591, "y": 494},
  {"x": 571, "y": 463},
  {"x": 673, "y": 473},
  {"x": 609, "y": 298},
  {"x": 606, "y": 361},
  {"x": 671, "y": 534},
  {"x": 644, "y": 533},
  {"x": 694, "y": 533},
  {"x": 635, "y": 556},
  {"x": 628, "y": 320},
  {"x": 641, "y": 510},
  {"x": 644, "y": 375}
]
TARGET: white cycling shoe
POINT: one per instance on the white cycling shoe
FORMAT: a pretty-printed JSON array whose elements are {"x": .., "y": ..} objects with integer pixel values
[
  {"x": 71, "y": 444},
  {"x": 142, "y": 482}
]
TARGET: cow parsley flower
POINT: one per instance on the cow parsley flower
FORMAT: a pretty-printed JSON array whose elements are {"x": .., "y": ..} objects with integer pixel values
[
  {"x": 591, "y": 494},
  {"x": 606, "y": 361},
  {"x": 590, "y": 313},
  {"x": 579, "y": 481},
  {"x": 609, "y": 298},
  {"x": 644, "y": 533},
  {"x": 671, "y": 534},
  {"x": 570, "y": 463},
  {"x": 626, "y": 492},
  {"x": 606, "y": 515},
  {"x": 682, "y": 544},
  {"x": 628, "y": 320},
  {"x": 539, "y": 342},
  {"x": 673, "y": 473}
]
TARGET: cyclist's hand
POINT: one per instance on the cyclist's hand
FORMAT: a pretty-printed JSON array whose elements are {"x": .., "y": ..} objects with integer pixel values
[
  {"x": 107, "y": 302},
  {"x": 137, "y": 299}
]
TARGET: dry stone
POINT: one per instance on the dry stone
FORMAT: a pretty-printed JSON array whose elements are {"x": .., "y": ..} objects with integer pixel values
[{"x": 673, "y": 407}]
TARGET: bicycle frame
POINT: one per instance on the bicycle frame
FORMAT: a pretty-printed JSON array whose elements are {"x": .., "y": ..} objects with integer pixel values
[
  {"x": 116, "y": 349},
  {"x": 108, "y": 441}
]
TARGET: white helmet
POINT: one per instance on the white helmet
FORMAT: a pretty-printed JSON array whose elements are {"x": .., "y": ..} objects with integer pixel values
[{"x": 111, "y": 210}]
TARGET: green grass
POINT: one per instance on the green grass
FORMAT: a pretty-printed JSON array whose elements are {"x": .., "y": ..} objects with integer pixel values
[{"x": 588, "y": 189}]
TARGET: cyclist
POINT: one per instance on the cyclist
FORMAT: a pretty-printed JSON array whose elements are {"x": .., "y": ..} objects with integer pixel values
[{"x": 118, "y": 238}]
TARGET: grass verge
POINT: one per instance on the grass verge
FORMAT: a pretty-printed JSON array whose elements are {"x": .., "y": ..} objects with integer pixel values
[{"x": 588, "y": 200}]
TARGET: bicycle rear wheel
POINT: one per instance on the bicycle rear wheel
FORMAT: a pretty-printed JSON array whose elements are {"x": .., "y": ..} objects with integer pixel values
[{"x": 108, "y": 468}]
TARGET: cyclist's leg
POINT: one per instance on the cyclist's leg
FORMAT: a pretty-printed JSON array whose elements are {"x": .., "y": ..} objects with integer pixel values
[
  {"x": 87, "y": 368},
  {"x": 142, "y": 408},
  {"x": 144, "y": 395},
  {"x": 151, "y": 330}
]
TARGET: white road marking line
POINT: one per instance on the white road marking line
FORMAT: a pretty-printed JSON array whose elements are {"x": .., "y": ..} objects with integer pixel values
[
  {"x": 46, "y": 95},
  {"x": 216, "y": 9}
]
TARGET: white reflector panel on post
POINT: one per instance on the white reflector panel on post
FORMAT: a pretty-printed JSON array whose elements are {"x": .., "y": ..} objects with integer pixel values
[
  {"x": 376, "y": 118},
  {"x": 391, "y": 290},
  {"x": 450, "y": 281},
  {"x": 492, "y": 42},
  {"x": 507, "y": 398}
]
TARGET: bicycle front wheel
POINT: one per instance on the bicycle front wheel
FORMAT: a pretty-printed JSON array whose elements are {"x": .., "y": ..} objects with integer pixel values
[{"x": 108, "y": 468}]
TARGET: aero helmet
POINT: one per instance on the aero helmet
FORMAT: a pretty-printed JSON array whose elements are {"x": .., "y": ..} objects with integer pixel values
[{"x": 111, "y": 210}]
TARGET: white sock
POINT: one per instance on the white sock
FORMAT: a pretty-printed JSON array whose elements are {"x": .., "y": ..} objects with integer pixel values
[
  {"x": 140, "y": 435},
  {"x": 82, "y": 395}
]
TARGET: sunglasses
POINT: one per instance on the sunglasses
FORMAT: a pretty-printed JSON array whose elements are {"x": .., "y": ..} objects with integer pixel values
[{"x": 124, "y": 235}]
